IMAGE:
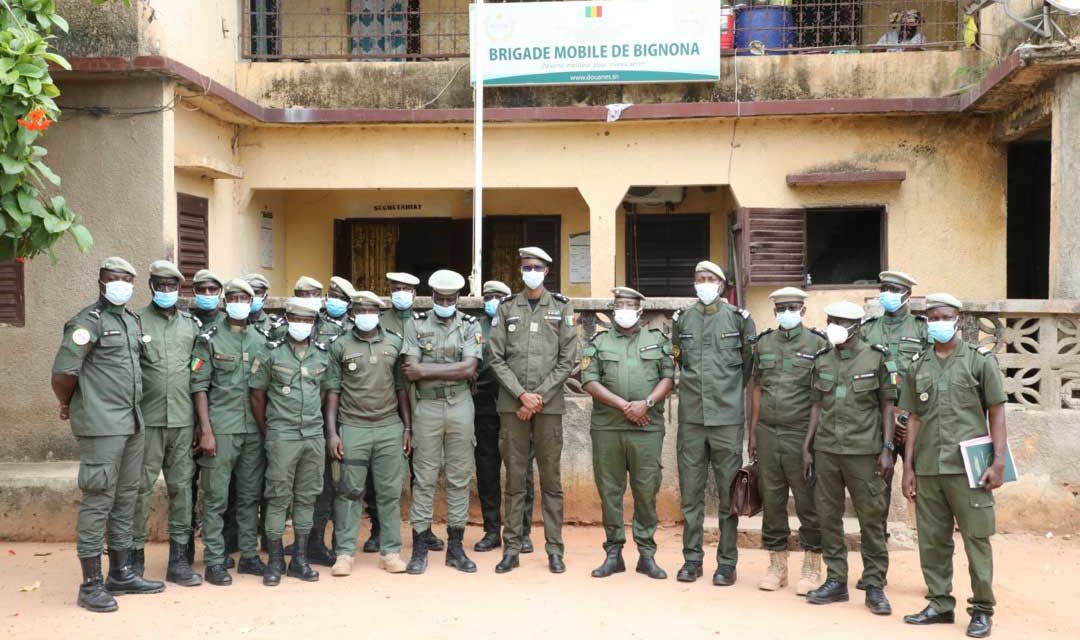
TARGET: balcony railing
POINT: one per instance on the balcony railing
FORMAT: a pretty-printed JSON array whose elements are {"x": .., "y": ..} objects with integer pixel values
[{"x": 439, "y": 29}]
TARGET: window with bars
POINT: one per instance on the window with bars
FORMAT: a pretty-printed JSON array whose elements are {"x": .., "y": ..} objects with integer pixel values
[{"x": 826, "y": 23}]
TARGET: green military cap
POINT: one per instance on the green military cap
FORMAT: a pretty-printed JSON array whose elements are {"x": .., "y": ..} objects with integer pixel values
[
  {"x": 788, "y": 294},
  {"x": 943, "y": 300},
  {"x": 535, "y": 252},
  {"x": 403, "y": 278},
  {"x": 306, "y": 283},
  {"x": 343, "y": 285},
  {"x": 257, "y": 279},
  {"x": 165, "y": 269},
  {"x": 627, "y": 292},
  {"x": 844, "y": 310},
  {"x": 897, "y": 277},
  {"x": 494, "y": 286},
  {"x": 446, "y": 282},
  {"x": 297, "y": 309},
  {"x": 205, "y": 275},
  {"x": 711, "y": 267},
  {"x": 367, "y": 297},
  {"x": 239, "y": 285},
  {"x": 118, "y": 264}
]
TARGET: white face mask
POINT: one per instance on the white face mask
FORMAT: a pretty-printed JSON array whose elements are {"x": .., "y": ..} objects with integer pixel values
[
  {"x": 707, "y": 292},
  {"x": 401, "y": 300},
  {"x": 627, "y": 318},
  {"x": 300, "y": 331},
  {"x": 366, "y": 321},
  {"x": 532, "y": 279},
  {"x": 837, "y": 334},
  {"x": 118, "y": 292},
  {"x": 238, "y": 310}
]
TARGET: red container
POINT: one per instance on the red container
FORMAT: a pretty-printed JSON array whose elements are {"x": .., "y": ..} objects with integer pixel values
[{"x": 727, "y": 29}]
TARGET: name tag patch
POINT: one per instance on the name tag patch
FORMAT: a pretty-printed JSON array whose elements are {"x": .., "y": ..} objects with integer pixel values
[
  {"x": 808, "y": 356},
  {"x": 863, "y": 376},
  {"x": 730, "y": 334}
]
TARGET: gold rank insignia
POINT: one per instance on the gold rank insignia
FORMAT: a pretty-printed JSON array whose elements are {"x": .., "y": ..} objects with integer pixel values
[
  {"x": 479, "y": 338},
  {"x": 675, "y": 350},
  {"x": 585, "y": 361}
]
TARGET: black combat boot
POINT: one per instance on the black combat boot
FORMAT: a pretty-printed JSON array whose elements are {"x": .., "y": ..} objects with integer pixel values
[
  {"x": 137, "y": 558},
  {"x": 189, "y": 549},
  {"x": 490, "y": 541},
  {"x": 690, "y": 571},
  {"x": 372, "y": 544},
  {"x": 122, "y": 580},
  {"x": 317, "y": 552},
  {"x": 418, "y": 561},
  {"x": 180, "y": 570},
  {"x": 828, "y": 593},
  {"x": 876, "y": 601},
  {"x": 724, "y": 576},
  {"x": 612, "y": 564},
  {"x": 526, "y": 544},
  {"x": 647, "y": 565},
  {"x": 298, "y": 566},
  {"x": 980, "y": 625},
  {"x": 252, "y": 566},
  {"x": 433, "y": 542},
  {"x": 509, "y": 562},
  {"x": 218, "y": 574},
  {"x": 455, "y": 551},
  {"x": 92, "y": 593},
  {"x": 275, "y": 562}
]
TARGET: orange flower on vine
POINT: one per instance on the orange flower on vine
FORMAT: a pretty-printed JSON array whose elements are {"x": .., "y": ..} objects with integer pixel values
[{"x": 36, "y": 120}]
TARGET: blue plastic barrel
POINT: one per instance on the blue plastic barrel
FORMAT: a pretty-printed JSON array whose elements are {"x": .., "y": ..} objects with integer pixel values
[{"x": 770, "y": 24}]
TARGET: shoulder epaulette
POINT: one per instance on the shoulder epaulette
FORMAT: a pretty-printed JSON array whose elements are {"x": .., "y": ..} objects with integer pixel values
[
  {"x": 869, "y": 319},
  {"x": 918, "y": 317},
  {"x": 418, "y": 315},
  {"x": 467, "y": 318},
  {"x": 207, "y": 335},
  {"x": 560, "y": 297},
  {"x": 274, "y": 344},
  {"x": 819, "y": 332},
  {"x": 599, "y": 332},
  {"x": 762, "y": 334},
  {"x": 95, "y": 311},
  {"x": 394, "y": 333},
  {"x": 678, "y": 312},
  {"x": 322, "y": 346},
  {"x": 985, "y": 350},
  {"x": 660, "y": 331},
  {"x": 822, "y": 351},
  {"x": 881, "y": 349},
  {"x": 743, "y": 312}
]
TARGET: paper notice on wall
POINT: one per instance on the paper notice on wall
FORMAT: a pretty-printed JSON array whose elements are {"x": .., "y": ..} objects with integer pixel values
[
  {"x": 579, "y": 258},
  {"x": 266, "y": 240}
]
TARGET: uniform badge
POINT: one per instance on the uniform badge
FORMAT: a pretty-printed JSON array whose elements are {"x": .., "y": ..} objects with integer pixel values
[
  {"x": 479, "y": 338},
  {"x": 675, "y": 350},
  {"x": 511, "y": 328},
  {"x": 286, "y": 389},
  {"x": 80, "y": 337},
  {"x": 352, "y": 366},
  {"x": 924, "y": 396},
  {"x": 373, "y": 359},
  {"x": 428, "y": 347},
  {"x": 570, "y": 320},
  {"x": 585, "y": 361},
  {"x": 146, "y": 339},
  {"x": 197, "y": 364},
  {"x": 495, "y": 321}
]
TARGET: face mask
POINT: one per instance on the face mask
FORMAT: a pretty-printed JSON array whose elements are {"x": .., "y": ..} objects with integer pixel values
[
  {"x": 401, "y": 300},
  {"x": 627, "y": 318},
  {"x": 336, "y": 308},
  {"x": 890, "y": 300},
  {"x": 941, "y": 330},
  {"x": 300, "y": 331},
  {"x": 707, "y": 292},
  {"x": 166, "y": 299},
  {"x": 118, "y": 292},
  {"x": 311, "y": 303},
  {"x": 444, "y": 312},
  {"x": 238, "y": 310},
  {"x": 366, "y": 321},
  {"x": 788, "y": 319},
  {"x": 532, "y": 279},
  {"x": 491, "y": 307},
  {"x": 837, "y": 334},
  {"x": 206, "y": 302},
  {"x": 257, "y": 304}
]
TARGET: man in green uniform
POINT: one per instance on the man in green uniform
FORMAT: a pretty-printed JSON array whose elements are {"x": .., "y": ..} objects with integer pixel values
[
  {"x": 955, "y": 392},
  {"x": 271, "y": 325},
  {"x": 97, "y": 381},
  {"x": 628, "y": 372},
  {"x": 207, "y": 288},
  {"x": 779, "y": 414},
  {"x": 229, "y": 439},
  {"x": 713, "y": 345},
  {"x": 534, "y": 347},
  {"x": 287, "y": 383},
  {"x": 168, "y": 336},
  {"x": 488, "y": 460},
  {"x": 442, "y": 352},
  {"x": 849, "y": 445},
  {"x": 368, "y": 431}
]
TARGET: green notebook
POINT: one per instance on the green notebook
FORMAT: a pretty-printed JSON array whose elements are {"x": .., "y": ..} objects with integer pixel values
[{"x": 978, "y": 454}]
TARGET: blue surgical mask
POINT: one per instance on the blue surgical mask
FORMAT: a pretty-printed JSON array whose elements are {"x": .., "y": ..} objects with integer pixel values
[
  {"x": 238, "y": 310},
  {"x": 366, "y": 321},
  {"x": 444, "y": 312},
  {"x": 401, "y": 300},
  {"x": 788, "y": 319},
  {"x": 336, "y": 308},
  {"x": 491, "y": 307},
  {"x": 166, "y": 299},
  {"x": 890, "y": 300},
  {"x": 206, "y": 302},
  {"x": 257, "y": 304},
  {"x": 300, "y": 331},
  {"x": 941, "y": 330}
]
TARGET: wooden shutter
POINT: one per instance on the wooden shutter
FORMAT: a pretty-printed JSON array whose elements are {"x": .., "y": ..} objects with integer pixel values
[
  {"x": 771, "y": 246},
  {"x": 12, "y": 294},
  {"x": 546, "y": 232},
  {"x": 661, "y": 251},
  {"x": 192, "y": 235}
]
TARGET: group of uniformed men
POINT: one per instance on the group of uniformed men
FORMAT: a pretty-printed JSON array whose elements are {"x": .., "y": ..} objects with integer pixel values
[{"x": 333, "y": 404}]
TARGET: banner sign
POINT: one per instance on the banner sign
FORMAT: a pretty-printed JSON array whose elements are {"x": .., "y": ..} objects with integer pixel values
[{"x": 617, "y": 42}]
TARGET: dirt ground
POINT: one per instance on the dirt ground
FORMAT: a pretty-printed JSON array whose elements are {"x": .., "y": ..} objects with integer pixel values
[{"x": 1036, "y": 584}]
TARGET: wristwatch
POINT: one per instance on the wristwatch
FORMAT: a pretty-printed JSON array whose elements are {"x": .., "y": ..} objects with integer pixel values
[
  {"x": 649, "y": 403},
  {"x": 890, "y": 446}
]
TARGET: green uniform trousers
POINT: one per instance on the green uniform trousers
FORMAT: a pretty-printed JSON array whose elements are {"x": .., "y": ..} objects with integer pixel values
[
  {"x": 109, "y": 472},
  {"x": 167, "y": 451},
  {"x": 489, "y": 476},
  {"x": 637, "y": 453},
  {"x": 443, "y": 433},
  {"x": 239, "y": 456},
  {"x": 325, "y": 504},
  {"x": 939, "y": 500},
  {"x": 518, "y": 442},
  {"x": 373, "y": 453},
  {"x": 856, "y": 473},
  {"x": 698, "y": 447},
  {"x": 779, "y": 471},
  {"x": 294, "y": 475}
]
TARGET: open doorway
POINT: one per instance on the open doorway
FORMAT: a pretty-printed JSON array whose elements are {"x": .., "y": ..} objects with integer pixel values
[{"x": 1027, "y": 236}]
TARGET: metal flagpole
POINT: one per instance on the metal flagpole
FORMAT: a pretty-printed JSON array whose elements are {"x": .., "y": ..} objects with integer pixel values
[{"x": 476, "y": 59}]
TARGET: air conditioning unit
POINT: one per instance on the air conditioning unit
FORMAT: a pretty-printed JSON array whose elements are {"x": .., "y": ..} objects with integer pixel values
[{"x": 655, "y": 196}]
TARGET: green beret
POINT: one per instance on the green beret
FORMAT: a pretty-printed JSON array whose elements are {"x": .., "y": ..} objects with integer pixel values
[
  {"x": 343, "y": 285},
  {"x": 788, "y": 294},
  {"x": 305, "y": 283},
  {"x": 367, "y": 297},
  {"x": 446, "y": 282},
  {"x": 118, "y": 264},
  {"x": 496, "y": 287},
  {"x": 257, "y": 280},
  {"x": 297, "y": 309},
  {"x": 535, "y": 252},
  {"x": 205, "y": 275},
  {"x": 403, "y": 278},
  {"x": 845, "y": 310},
  {"x": 943, "y": 300},
  {"x": 239, "y": 285},
  {"x": 897, "y": 277},
  {"x": 165, "y": 269},
  {"x": 711, "y": 267},
  {"x": 627, "y": 292}
]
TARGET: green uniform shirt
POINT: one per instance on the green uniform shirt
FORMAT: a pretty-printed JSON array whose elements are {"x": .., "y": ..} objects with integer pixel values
[
  {"x": 713, "y": 345},
  {"x": 850, "y": 385},
  {"x": 783, "y": 362},
  {"x": 630, "y": 366},
  {"x": 221, "y": 366},
  {"x": 534, "y": 349},
  {"x": 487, "y": 385},
  {"x": 101, "y": 346},
  {"x": 270, "y": 325},
  {"x": 293, "y": 385},
  {"x": 430, "y": 340},
  {"x": 365, "y": 372},
  {"x": 903, "y": 335},
  {"x": 328, "y": 329},
  {"x": 396, "y": 319},
  {"x": 208, "y": 318},
  {"x": 168, "y": 339},
  {"x": 951, "y": 397}
]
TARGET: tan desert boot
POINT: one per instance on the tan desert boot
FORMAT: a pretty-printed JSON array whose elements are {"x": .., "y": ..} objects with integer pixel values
[
  {"x": 343, "y": 566},
  {"x": 392, "y": 563},
  {"x": 776, "y": 578},
  {"x": 811, "y": 573}
]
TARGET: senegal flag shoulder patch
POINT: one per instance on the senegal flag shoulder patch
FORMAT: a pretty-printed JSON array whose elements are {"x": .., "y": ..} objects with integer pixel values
[
  {"x": 570, "y": 320},
  {"x": 197, "y": 364}
]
